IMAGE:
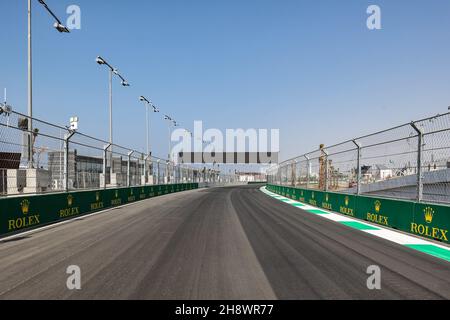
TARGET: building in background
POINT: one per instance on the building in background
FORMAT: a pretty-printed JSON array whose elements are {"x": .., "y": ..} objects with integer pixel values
[{"x": 251, "y": 176}]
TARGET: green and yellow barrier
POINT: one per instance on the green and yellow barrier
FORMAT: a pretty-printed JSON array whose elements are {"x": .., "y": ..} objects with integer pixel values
[
  {"x": 422, "y": 219},
  {"x": 26, "y": 212}
]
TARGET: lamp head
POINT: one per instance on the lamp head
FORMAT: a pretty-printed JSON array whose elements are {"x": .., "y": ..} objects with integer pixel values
[
  {"x": 61, "y": 28},
  {"x": 100, "y": 60}
]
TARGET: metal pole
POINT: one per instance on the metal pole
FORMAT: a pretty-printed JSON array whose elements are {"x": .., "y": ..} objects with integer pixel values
[
  {"x": 158, "y": 182},
  {"x": 128, "y": 169},
  {"x": 170, "y": 144},
  {"x": 66, "y": 160},
  {"x": 294, "y": 174},
  {"x": 168, "y": 167},
  {"x": 111, "y": 121},
  {"x": 326, "y": 170},
  {"x": 105, "y": 156},
  {"x": 307, "y": 172},
  {"x": 66, "y": 163},
  {"x": 110, "y": 107},
  {"x": 30, "y": 91},
  {"x": 419, "y": 162},
  {"x": 145, "y": 171},
  {"x": 146, "y": 111},
  {"x": 358, "y": 168},
  {"x": 104, "y": 167},
  {"x": 175, "y": 173}
]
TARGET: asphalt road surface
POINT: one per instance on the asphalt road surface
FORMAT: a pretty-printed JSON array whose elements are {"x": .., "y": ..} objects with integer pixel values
[{"x": 218, "y": 243}]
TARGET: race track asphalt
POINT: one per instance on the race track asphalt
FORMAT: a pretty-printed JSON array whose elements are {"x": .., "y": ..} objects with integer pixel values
[{"x": 216, "y": 243}]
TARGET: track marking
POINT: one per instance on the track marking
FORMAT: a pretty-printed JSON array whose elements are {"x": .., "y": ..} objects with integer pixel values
[{"x": 421, "y": 245}]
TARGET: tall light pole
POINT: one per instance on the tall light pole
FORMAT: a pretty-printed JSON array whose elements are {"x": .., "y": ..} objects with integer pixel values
[
  {"x": 148, "y": 103},
  {"x": 112, "y": 71},
  {"x": 175, "y": 124},
  {"x": 170, "y": 121},
  {"x": 61, "y": 28}
]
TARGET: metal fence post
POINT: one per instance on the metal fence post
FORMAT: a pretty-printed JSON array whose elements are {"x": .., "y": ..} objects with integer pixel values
[
  {"x": 294, "y": 173},
  {"x": 326, "y": 170},
  {"x": 157, "y": 167},
  {"x": 419, "y": 162},
  {"x": 148, "y": 174},
  {"x": 145, "y": 171},
  {"x": 307, "y": 171},
  {"x": 66, "y": 159},
  {"x": 279, "y": 174},
  {"x": 167, "y": 172},
  {"x": 358, "y": 167},
  {"x": 105, "y": 157},
  {"x": 129, "y": 168}
]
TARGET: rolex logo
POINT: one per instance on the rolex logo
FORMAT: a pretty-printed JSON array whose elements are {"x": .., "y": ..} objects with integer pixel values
[
  {"x": 312, "y": 195},
  {"x": 97, "y": 196},
  {"x": 142, "y": 190},
  {"x": 69, "y": 200},
  {"x": 301, "y": 193},
  {"x": 25, "y": 205},
  {"x": 346, "y": 201},
  {"x": 428, "y": 213},
  {"x": 326, "y": 197},
  {"x": 377, "y": 206},
  {"x": 117, "y": 193},
  {"x": 131, "y": 191}
]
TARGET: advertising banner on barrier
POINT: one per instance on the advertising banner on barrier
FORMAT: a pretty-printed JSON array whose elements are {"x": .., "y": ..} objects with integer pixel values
[
  {"x": 27, "y": 212},
  {"x": 431, "y": 221},
  {"x": 422, "y": 219},
  {"x": 396, "y": 214}
]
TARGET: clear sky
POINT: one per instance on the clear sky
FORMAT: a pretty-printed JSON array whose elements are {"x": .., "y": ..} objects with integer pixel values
[{"x": 310, "y": 68}]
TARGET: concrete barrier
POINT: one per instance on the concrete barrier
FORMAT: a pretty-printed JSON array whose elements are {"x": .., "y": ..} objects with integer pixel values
[
  {"x": 423, "y": 219},
  {"x": 22, "y": 213}
]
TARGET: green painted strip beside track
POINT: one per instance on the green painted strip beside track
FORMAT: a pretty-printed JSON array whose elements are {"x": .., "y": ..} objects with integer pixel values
[
  {"x": 317, "y": 211},
  {"x": 358, "y": 225},
  {"x": 431, "y": 250}
]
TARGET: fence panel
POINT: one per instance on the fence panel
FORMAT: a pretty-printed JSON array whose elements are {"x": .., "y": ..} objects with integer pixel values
[{"x": 410, "y": 161}]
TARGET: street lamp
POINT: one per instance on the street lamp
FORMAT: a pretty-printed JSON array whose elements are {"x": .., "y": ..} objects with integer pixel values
[
  {"x": 170, "y": 122},
  {"x": 61, "y": 28},
  {"x": 112, "y": 71},
  {"x": 155, "y": 110},
  {"x": 58, "y": 24},
  {"x": 124, "y": 83}
]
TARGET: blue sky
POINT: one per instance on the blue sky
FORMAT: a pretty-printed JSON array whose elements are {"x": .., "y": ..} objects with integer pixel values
[{"x": 310, "y": 68}]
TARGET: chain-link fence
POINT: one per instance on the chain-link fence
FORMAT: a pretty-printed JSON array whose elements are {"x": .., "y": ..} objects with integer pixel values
[
  {"x": 410, "y": 161},
  {"x": 37, "y": 157}
]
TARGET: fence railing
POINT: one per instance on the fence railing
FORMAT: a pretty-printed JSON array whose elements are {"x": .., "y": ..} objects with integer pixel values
[
  {"x": 52, "y": 158},
  {"x": 410, "y": 161}
]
